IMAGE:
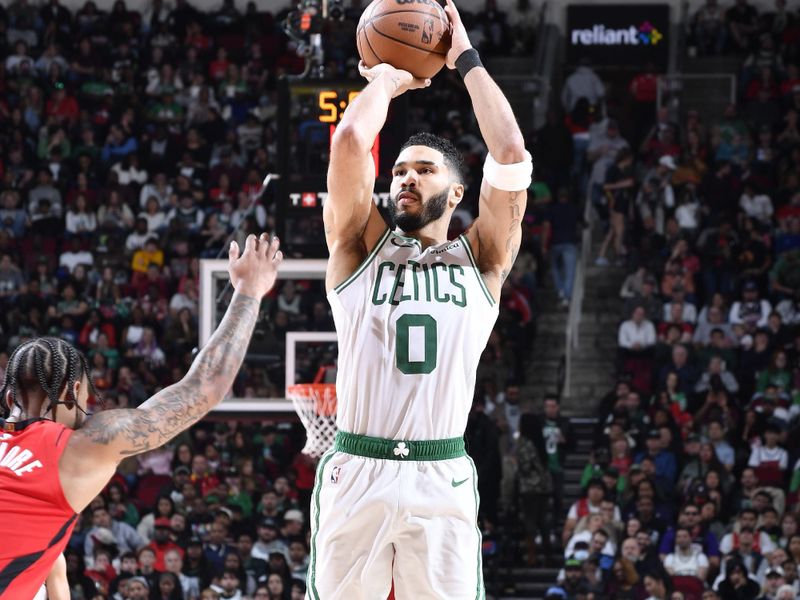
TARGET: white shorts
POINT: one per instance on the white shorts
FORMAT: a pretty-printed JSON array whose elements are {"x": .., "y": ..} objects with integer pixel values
[{"x": 413, "y": 522}]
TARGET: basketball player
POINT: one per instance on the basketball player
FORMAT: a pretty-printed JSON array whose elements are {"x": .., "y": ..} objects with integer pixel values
[
  {"x": 396, "y": 497},
  {"x": 54, "y": 459}
]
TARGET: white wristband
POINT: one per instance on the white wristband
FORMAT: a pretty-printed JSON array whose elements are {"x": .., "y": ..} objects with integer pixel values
[{"x": 509, "y": 178}]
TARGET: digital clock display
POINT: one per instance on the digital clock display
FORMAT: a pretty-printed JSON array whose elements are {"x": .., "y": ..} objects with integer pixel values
[
  {"x": 309, "y": 110},
  {"x": 332, "y": 107}
]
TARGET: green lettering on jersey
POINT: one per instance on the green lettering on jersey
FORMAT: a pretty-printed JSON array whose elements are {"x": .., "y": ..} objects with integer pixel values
[
  {"x": 403, "y": 351},
  {"x": 375, "y": 300},
  {"x": 399, "y": 282},
  {"x": 414, "y": 269},
  {"x": 463, "y": 301},
  {"x": 427, "y": 283},
  {"x": 446, "y": 298}
]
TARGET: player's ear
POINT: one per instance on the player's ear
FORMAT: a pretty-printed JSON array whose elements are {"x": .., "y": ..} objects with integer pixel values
[
  {"x": 457, "y": 192},
  {"x": 9, "y": 400}
]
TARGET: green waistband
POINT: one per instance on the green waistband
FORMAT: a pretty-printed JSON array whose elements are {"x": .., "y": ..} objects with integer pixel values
[{"x": 372, "y": 447}]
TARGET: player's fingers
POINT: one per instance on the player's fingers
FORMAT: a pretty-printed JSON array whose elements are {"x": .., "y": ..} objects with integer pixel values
[
  {"x": 263, "y": 243},
  {"x": 364, "y": 70},
  {"x": 233, "y": 251},
  {"x": 250, "y": 244},
  {"x": 274, "y": 248},
  {"x": 452, "y": 12},
  {"x": 278, "y": 257}
]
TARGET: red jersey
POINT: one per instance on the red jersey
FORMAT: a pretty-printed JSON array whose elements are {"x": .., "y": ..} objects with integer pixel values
[{"x": 36, "y": 520}]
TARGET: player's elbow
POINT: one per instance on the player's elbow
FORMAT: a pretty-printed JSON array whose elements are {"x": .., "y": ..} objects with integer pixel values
[
  {"x": 348, "y": 139},
  {"x": 513, "y": 151}
]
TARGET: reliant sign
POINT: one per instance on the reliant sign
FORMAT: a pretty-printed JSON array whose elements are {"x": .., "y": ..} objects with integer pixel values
[{"x": 607, "y": 33}]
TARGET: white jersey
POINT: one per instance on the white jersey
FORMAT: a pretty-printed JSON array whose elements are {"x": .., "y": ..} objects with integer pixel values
[{"x": 411, "y": 326}]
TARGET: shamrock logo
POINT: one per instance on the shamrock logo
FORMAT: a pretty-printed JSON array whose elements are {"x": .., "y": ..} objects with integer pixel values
[{"x": 401, "y": 450}]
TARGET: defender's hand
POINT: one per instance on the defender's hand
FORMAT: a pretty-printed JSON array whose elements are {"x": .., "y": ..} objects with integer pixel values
[
  {"x": 459, "y": 40},
  {"x": 404, "y": 80},
  {"x": 253, "y": 272}
]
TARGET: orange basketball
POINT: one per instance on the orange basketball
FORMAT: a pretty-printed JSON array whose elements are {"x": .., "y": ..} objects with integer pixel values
[{"x": 413, "y": 35}]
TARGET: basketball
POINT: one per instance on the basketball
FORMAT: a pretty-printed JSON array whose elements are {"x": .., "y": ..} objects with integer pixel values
[{"x": 413, "y": 35}]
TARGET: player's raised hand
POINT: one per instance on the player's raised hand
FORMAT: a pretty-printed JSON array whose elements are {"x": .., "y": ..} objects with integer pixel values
[
  {"x": 253, "y": 272},
  {"x": 459, "y": 40},
  {"x": 405, "y": 80}
]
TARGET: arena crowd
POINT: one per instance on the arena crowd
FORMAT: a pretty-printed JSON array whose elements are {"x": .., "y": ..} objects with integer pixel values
[
  {"x": 692, "y": 487},
  {"x": 130, "y": 146}
]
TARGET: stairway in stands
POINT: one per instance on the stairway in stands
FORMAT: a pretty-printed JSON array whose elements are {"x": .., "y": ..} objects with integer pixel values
[
  {"x": 505, "y": 582},
  {"x": 546, "y": 358},
  {"x": 593, "y": 363},
  {"x": 593, "y": 376}
]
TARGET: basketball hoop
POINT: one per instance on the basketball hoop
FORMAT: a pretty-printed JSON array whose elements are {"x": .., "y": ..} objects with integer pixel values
[{"x": 315, "y": 403}]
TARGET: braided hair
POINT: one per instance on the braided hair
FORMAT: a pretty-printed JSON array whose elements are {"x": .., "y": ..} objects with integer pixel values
[{"x": 48, "y": 364}]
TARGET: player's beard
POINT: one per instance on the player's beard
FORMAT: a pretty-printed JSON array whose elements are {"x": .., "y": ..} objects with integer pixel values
[{"x": 432, "y": 210}]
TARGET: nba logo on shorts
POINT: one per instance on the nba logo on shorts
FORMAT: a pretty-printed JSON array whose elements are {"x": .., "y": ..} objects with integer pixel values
[{"x": 335, "y": 474}]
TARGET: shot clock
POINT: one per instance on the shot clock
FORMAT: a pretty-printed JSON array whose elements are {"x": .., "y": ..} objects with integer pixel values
[{"x": 309, "y": 110}]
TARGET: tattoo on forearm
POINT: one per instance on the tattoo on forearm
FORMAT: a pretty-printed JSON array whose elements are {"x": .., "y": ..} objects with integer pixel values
[
  {"x": 513, "y": 230},
  {"x": 177, "y": 407},
  {"x": 396, "y": 82}
]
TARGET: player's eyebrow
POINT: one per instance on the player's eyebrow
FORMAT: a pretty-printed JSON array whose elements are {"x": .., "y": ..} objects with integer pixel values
[{"x": 416, "y": 162}]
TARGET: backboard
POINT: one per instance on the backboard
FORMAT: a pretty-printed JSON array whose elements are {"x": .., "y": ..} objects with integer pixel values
[{"x": 293, "y": 339}]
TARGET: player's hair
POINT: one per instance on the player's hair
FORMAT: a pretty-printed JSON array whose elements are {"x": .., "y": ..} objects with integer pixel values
[
  {"x": 48, "y": 364},
  {"x": 452, "y": 157}
]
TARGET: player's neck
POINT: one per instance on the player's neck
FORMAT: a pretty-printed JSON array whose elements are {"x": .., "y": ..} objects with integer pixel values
[{"x": 432, "y": 234}]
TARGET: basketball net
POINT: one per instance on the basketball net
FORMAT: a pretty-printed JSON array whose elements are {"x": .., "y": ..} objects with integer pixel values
[{"x": 315, "y": 404}]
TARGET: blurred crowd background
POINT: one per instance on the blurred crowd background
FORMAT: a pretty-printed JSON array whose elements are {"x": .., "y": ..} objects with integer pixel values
[{"x": 131, "y": 145}]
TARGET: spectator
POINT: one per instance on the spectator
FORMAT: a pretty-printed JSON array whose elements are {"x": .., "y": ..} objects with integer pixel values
[
  {"x": 657, "y": 586},
  {"x": 618, "y": 188},
  {"x": 637, "y": 334},
  {"x": 686, "y": 560},
  {"x": 737, "y": 585},
  {"x": 758, "y": 542},
  {"x": 118, "y": 145},
  {"x": 769, "y": 460},
  {"x": 742, "y": 24},
  {"x": 162, "y": 544},
  {"x": 535, "y": 484},
  {"x": 122, "y": 535},
  {"x": 231, "y": 586},
  {"x": 605, "y": 144},
  {"x": 590, "y": 504},
  {"x": 575, "y": 583},
  {"x": 563, "y": 219},
  {"x": 710, "y": 29},
  {"x": 268, "y": 540},
  {"x": 583, "y": 83},
  {"x": 559, "y": 440},
  {"x": 666, "y": 466}
]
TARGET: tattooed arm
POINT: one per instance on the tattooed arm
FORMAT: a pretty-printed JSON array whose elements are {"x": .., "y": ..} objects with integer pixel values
[
  {"x": 108, "y": 437},
  {"x": 496, "y": 234}
]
